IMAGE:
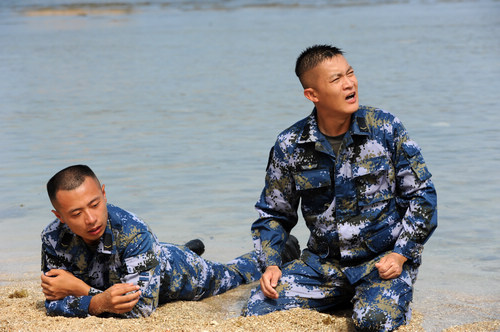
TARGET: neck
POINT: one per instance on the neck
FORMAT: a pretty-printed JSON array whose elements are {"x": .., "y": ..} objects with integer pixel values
[{"x": 333, "y": 125}]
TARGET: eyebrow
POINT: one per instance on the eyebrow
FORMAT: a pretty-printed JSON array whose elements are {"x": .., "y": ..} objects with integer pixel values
[
  {"x": 90, "y": 203},
  {"x": 334, "y": 76},
  {"x": 339, "y": 74}
]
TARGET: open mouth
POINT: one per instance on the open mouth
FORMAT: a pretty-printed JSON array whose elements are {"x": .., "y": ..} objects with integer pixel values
[
  {"x": 350, "y": 96},
  {"x": 95, "y": 231}
]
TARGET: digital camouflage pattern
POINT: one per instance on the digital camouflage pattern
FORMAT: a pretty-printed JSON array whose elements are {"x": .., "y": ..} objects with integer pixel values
[
  {"x": 375, "y": 197},
  {"x": 378, "y": 305},
  {"x": 129, "y": 252}
]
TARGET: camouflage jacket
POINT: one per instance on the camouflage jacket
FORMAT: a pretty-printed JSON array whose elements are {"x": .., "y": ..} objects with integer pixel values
[
  {"x": 128, "y": 252},
  {"x": 376, "y": 196}
]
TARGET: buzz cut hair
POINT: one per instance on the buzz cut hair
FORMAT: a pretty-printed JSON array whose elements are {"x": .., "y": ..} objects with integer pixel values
[
  {"x": 313, "y": 56},
  {"x": 68, "y": 179}
]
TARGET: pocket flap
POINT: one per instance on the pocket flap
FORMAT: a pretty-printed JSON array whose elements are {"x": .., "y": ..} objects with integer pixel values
[
  {"x": 370, "y": 166},
  {"x": 312, "y": 179}
]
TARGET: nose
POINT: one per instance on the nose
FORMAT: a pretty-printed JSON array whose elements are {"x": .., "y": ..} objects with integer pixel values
[
  {"x": 348, "y": 82},
  {"x": 90, "y": 217}
]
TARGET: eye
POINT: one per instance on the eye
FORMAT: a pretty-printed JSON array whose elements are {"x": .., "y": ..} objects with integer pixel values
[
  {"x": 96, "y": 204},
  {"x": 76, "y": 214}
]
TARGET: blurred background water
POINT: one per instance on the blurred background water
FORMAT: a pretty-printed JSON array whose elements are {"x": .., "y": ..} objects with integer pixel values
[{"x": 175, "y": 105}]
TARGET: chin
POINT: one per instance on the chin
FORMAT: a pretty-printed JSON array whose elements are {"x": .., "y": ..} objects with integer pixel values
[
  {"x": 353, "y": 108},
  {"x": 350, "y": 110}
]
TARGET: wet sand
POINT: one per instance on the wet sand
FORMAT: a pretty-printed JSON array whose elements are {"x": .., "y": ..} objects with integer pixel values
[{"x": 22, "y": 309}]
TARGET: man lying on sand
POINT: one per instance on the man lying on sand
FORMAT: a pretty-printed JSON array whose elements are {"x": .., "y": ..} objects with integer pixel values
[
  {"x": 98, "y": 259},
  {"x": 366, "y": 196}
]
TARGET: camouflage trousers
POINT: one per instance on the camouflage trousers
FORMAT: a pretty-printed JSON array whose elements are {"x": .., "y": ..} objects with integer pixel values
[
  {"x": 378, "y": 304},
  {"x": 190, "y": 277}
]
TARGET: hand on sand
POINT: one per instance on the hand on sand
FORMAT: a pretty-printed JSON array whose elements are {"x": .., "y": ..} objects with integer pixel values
[{"x": 57, "y": 284}]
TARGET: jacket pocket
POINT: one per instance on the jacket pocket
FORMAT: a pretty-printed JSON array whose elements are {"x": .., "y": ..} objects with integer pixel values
[
  {"x": 373, "y": 180},
  {"x": 315, "y": 189}
]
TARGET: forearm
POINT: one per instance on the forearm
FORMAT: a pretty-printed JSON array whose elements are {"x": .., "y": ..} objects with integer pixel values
[
  {"x": 418, "y": 199},
  {"x": 277, "y": 208},
  {"x": 149, "y": 283},
  {"x": 419, "y": 220},
  {"x": 59, "y": 283},
  {"x": 269, "y": 240},
  {"x": 70, "y": 306}
]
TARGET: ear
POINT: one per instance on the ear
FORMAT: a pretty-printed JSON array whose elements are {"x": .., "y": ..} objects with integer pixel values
[
  {"x": 310, "y": 94},
  {"x": 104, "y": 193},
  {"x": 58, "y": 216}
]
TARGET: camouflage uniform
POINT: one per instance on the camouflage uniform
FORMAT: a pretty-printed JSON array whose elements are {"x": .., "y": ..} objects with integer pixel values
[
  {"x": 374, "y": 198},
  {"x": 129, "y": 252}
]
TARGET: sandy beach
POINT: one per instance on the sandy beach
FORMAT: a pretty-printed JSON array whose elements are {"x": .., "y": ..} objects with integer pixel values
[
  {"x": 22, "y": 309},
  {"x": 175, "y": 105}
]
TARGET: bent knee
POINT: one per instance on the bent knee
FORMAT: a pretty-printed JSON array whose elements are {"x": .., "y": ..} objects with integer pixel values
[
  {"x": 258, "y": 304},
  {"x": 376, "y": 319}
]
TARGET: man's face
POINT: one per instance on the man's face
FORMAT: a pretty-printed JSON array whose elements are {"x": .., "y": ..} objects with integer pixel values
[
  {"x": 333, "y": 87},
  {"x": 84, "y": 210}
]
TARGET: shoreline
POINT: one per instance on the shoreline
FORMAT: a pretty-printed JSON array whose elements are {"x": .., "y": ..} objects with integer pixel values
[
  {"x": 22, "y": 308},
  {"x": 83, "y": 11}
]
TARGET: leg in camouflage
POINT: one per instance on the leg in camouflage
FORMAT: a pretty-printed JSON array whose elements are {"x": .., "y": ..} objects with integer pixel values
[
  {"x": 383, "y": 305},
  {"x": 301, "y": 286},
  {"x": 378, "y": 304},
  {"x": 190, "y": 277}
]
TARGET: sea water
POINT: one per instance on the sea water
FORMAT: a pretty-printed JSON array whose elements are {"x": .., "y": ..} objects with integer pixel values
[{"x": 175, "y": 105}]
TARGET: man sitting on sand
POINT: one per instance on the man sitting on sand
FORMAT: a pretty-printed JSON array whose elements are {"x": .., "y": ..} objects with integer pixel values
[
  {"x": 366, "y": 196},
  {"x": 98, "y": 259}
]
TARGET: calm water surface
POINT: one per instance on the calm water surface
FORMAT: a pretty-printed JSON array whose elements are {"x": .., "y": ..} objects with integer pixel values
[{"x": 176, "y": 104}]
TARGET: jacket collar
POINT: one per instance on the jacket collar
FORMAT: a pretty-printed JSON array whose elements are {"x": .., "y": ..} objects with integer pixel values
[
  {"x": 68, "y": 239},
  {"x": 106, "y": 243},
  {"x": 311, "y": 133}
]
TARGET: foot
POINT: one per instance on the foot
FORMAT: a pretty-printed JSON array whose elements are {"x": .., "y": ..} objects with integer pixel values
[
  {"x": 291, "y": 250},
  {"x": 196, "y": 246}
]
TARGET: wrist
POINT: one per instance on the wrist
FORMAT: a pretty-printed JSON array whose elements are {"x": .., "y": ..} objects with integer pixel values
[
  {"x": 400, "y": 258},
  {"x": 96, "y": 305},
  {"x": 83, "y": 289},
  {"x": 273, "y": 267}
]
